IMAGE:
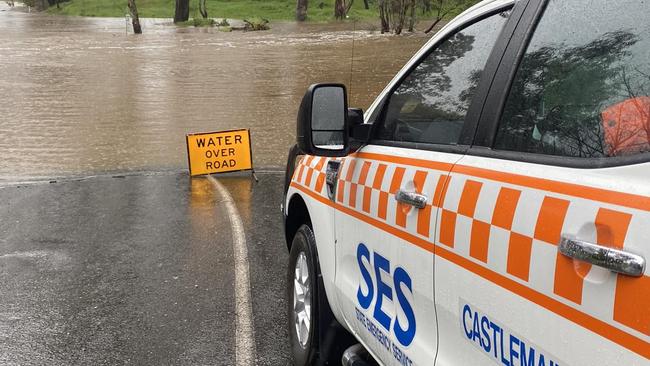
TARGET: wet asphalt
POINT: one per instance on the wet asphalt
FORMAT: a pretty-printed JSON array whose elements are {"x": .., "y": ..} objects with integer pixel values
[{"x": 137, "y": 270}]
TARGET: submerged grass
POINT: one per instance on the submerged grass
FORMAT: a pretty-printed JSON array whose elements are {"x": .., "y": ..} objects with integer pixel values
[{"x": 198, "y": 22}]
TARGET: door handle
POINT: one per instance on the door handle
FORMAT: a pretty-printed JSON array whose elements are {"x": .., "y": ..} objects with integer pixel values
[
  {"x": 411, "y": 198},
  {"x": 615, "y": 260}
]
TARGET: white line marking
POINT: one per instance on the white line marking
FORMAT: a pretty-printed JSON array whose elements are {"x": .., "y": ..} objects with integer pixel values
[{"x": 245, "y": 352}]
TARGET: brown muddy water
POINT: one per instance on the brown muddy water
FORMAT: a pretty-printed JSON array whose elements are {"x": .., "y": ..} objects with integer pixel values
[{"x": 80, "y": 96}]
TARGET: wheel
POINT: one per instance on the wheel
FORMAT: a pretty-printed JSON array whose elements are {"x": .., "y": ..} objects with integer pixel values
[{"x": 302, "y": 297}]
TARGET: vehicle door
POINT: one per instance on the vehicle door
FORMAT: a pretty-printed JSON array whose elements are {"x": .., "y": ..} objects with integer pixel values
[
  {"x": 544, "y": 228},
  {"x": 388, "y": 190}
]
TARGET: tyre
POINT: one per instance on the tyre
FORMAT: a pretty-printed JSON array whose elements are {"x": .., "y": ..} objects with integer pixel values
[{"x": 302, "y": 298}]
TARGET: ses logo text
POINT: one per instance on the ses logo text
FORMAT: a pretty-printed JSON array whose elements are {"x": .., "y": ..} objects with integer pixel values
[{"x": 398, "y": 291}]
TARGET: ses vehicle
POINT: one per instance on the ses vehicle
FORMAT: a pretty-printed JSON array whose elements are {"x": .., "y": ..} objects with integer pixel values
[{"x": 491, "y": 207}]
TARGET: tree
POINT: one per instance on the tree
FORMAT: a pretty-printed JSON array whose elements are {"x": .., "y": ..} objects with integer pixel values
[
  {"x": 133, "y": 9},
  {"x": 412, "y": 16},
  {"x": 301, "y": 10},
  {"x": 392, "y": 14},
  {"x": 442, "y": 8},
  {"x": 342, "y": 8},
  {"x": 384, "y": 15},
  {"x": 203, "y": 9},
  {"x": 182, "y": 13}
]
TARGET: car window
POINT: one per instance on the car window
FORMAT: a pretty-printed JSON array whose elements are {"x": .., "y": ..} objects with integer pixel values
[
  {"x": 583, "y": 86},
  {"x": 431, "y": 103}
]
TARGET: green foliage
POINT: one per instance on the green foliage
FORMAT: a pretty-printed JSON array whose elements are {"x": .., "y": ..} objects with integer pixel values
[
  {"x": 197, "y": 22},
  {"x": 200, "y": 22},
  {"x": 256, "y": 24}
]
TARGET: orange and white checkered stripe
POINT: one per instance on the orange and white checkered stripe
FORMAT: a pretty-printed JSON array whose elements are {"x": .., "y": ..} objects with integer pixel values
[{"x": 514, "y": 230}]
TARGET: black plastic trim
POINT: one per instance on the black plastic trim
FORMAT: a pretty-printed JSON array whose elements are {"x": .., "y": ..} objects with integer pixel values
[
  {"x": 496, "y": 99},
  {"x": 294, "y": 151},
  {"x": 489, "y": 73},
  {"x": 453, "y": 149},
  {"x": 560, "y": 161}
]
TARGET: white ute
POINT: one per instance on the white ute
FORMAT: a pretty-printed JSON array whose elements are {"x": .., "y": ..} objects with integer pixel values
[{"x": 491, "y": 207}]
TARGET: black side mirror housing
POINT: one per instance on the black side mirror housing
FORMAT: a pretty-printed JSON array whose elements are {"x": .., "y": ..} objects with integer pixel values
[
  {"x": 359, "y": 132},
  {"x": 323, "y": 128}
]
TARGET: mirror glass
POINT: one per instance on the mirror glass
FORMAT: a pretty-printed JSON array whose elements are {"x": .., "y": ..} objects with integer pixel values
[{"x": 328, "y": 117}]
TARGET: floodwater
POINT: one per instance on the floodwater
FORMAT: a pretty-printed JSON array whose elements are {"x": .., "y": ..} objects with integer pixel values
[{"x": 84, "y": 96}]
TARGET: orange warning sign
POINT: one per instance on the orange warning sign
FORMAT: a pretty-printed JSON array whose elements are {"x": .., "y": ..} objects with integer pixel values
[{"x": 219, "y": 152}]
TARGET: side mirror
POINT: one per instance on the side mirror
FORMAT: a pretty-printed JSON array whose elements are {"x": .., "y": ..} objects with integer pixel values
[{"x": 322, "y": 121}]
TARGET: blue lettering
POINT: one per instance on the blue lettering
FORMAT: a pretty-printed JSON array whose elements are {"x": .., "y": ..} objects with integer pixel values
[
  {"x": 495, "y": 329},
  {"x": 513, "y": 353},
  {"x": 485, "y": 325},
  {"x": 526, "y": 359},
  {"x": 467, "y": 311},
  {"x": 383, "y": 290},
  {"x": 476, "y": 333},
  {"x": 404, "y": 336},
  {"x": 506, "y": 348},
  {"x": 364, "y": 300},
  {"x": 401, "y": 287},
  {"x": 503, "y": 360}
]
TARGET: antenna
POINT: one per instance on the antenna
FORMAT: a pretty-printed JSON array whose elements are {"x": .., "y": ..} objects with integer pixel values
[{"x": 354, "y": 30}]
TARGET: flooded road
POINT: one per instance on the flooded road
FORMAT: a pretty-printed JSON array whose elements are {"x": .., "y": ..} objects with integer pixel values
[{"x": 82, "y": 97}]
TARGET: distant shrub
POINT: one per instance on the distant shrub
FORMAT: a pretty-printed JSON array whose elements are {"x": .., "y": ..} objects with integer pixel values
[
  {"x": 200, "y": 22},
  {"x": 256, "y": 24}
]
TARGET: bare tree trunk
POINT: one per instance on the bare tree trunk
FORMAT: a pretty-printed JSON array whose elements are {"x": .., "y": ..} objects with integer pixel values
[
  {"x": 203, "y": 9},
  {"x": 398, "y": 9},
  {"x": 384, "y": 15},
  {"x": 182, "y": 13},
  {"x": 301, "y": 10},
  {"x": 339, "y": 9},
  {"x": 412, "y": 16},
  {"x": 366, "y": 5},
  {"x": 134, "y": 17}
]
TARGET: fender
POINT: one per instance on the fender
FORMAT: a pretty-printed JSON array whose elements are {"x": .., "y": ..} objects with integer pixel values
[{"x": 325, "y": 243}]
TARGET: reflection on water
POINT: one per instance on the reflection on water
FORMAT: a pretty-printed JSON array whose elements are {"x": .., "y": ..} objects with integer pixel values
[{"x": 79, "y": 96}]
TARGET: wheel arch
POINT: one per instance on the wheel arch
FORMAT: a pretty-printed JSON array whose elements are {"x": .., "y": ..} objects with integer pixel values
[
  {"x": 333, "y": 337},
  {"x": 297, "y": 215}
]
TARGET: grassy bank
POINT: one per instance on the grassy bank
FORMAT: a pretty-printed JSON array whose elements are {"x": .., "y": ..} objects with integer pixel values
[
  {"x": 236, "y": 9},
  {"x": 319, "y": 10}
]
